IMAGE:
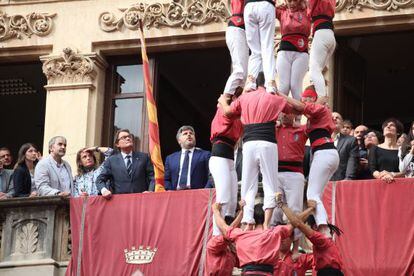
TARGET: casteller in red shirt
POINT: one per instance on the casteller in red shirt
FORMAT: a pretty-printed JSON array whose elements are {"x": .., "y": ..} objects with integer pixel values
[
  {"x": 325, "y": 252},
  {"x": 291, "y": 142},
  {"x": 320, "y": 125},
  {"x": 322, "y": 13},
  {"x": 220, "y": 260},
  {"x": 259, "y": 106},
  {"x": 295, "y": 26},
  {"x": 319, "y": 117},
  {"x": 258, "y": 246},
  {"x": 287, "y": 267},
  {"x": 223, "y": 126}
]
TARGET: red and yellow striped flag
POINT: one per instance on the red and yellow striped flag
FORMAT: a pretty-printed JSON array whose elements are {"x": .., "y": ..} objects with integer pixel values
[{"x": 153, "y": 129}]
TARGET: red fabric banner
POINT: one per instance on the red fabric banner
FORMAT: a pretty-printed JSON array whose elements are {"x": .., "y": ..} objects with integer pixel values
[
  {"x": 172, "y": 222},
  {"x": 377, "y": 220},
  {"x": 76, "y": 207}
]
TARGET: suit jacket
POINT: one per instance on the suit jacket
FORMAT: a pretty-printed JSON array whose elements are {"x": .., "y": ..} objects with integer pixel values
[
  {"x": 47, "y": 178},
  {"x": 348, "y": 158},
  {"x": 6, "y": 182},
  {"x": 114, "y": 169},
  {"x": 22, "y": 181},
  {"x": 199, "y": 171}
]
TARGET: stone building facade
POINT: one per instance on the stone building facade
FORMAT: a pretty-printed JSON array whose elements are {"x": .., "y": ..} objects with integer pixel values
[
  {"x": 72, "y": 68},
  {"x": 79, "y": 43}
]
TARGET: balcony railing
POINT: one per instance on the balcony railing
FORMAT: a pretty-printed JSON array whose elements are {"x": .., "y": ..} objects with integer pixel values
[{"x": 34, "y": 232}]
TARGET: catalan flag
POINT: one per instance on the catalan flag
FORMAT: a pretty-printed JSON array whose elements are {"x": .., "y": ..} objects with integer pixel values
[{"x": 153, "y": 129}]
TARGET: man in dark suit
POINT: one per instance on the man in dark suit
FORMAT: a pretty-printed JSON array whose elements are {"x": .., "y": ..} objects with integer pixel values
[
  {"x": 347, "y": 147},
  {"x": 187, "y": 168},
  {"x": 129, "y": 171},
  {"x": 363, "y": 171}
]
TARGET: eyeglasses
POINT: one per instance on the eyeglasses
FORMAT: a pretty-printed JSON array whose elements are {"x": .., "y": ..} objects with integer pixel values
[
  {"x": 125, "y": 137},
  {"x": 370, "y": 136}
]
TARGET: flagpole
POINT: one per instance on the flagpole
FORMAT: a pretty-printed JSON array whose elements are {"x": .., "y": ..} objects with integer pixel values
[{"x": 153, "y": 127}]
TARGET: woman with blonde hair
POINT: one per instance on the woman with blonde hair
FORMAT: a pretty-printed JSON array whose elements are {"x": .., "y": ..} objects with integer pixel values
[{"x": 88, "y": 171}]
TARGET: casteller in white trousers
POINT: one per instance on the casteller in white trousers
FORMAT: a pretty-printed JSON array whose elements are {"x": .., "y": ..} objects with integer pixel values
[
  {"x": 323, "y": 44},
  {"x": 259, "y": 19},
  {"x": 225, "y": 131},
  {"x": 225, "y": 181},
  {"x": 292, "y": 61},
  {"x": 237, "y": 45},
  {"x": 323, "y": 166}
]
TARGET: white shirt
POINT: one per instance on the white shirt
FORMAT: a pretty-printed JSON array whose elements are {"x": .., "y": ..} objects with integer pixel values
[
  {"x": 64, "y": 176},
  {"x": 336, "y": 138},
  {"x": 124, "y": 155},
  {"x": 189, "y": 166}
]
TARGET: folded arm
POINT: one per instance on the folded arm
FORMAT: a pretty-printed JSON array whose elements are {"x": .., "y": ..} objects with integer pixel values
[
  {"x": 297, "y": 220},
  {"x": 236, "y": 222}
]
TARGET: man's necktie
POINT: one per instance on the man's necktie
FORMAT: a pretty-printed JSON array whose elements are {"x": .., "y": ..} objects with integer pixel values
[
  {"x": 129, "y": 165},
  {"x": 184, "y": 171}
]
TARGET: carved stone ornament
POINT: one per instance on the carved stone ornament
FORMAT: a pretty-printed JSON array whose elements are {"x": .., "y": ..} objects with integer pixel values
[
  {"x": 178, "y": 13},
  {"x": 27, "y": 238},
  {"x": 70, "y": 67},
  {"x": 18, "y": 26},
  {"x": 388, "y": 5}
]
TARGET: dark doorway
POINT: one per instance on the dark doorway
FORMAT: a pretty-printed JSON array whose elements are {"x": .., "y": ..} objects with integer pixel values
[
  {"x": 373, "y": 78},
  {"x": 188, "y": 84},
  {"x": 23, "y": 104}
]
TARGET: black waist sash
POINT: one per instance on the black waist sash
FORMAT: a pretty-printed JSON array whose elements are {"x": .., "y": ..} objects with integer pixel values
[
  {"x": 222, "y": 150},
  {"x": 328, "y": 24},
  {"x": 258, "y": 267},
  {"x": 223, "y": 139},
  {"x": 290, "y": 166},
  {"x": 260, "y": 132},
  {"x": 318, "y": 134},
  {"x": 287, "y": 46},
  {"x": 329, "y": 271}
]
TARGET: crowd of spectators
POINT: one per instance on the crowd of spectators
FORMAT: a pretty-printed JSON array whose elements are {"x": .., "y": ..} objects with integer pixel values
[{"x": 364, "y": 154}]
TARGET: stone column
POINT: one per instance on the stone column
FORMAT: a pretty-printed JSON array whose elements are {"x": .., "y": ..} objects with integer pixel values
[{"x": 75, "y": 99}]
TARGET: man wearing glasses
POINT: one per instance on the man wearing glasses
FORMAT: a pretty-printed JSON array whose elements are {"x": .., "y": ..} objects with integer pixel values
[{"x": 129, "y": 171}]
